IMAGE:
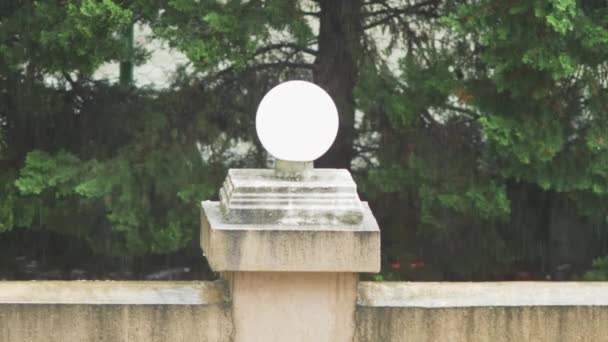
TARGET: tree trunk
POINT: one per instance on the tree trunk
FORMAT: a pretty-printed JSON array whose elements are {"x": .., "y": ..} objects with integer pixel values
[{"x": 336, "y": 71}]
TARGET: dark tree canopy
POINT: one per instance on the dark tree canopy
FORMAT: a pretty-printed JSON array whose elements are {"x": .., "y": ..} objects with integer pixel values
[{"x": 477, "y": 130}]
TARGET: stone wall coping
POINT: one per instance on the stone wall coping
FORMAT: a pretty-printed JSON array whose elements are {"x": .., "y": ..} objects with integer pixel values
[
  {"x": 481, "y": 294},
  {"x": 113, "y": 292}
]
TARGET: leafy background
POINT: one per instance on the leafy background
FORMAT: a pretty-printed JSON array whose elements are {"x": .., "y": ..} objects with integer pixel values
[{"x": 477, "y": 130}]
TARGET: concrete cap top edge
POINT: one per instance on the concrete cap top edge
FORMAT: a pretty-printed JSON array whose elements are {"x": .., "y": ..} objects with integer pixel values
[
  {"x": 481, "y": 294},
  {"x": 213, "y": 213}
]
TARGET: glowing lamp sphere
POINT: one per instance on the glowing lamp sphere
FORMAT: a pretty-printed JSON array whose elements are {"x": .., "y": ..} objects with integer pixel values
[{"x": 297, "y": 121}]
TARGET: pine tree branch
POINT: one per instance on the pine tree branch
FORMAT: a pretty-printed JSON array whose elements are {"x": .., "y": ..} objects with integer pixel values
[
  {"x": 395, "y": 13},
  {"x": 465, "y": 111},
  {"x": 260, "y": 66},
  {"x": 280, "y": 46},
  {"x": 293, "y": 65},
  {"x": 314, "y": 14}
]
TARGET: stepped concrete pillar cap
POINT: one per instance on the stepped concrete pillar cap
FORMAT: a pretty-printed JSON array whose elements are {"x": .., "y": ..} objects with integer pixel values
[{"x": 295, "y": 218}]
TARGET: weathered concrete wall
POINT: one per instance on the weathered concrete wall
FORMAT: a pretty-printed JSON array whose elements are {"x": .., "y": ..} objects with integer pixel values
[
  {"x": 494, "y": 324},
  {"x": 293, "y": 306},
  {"x": 482, "y": 312},
  {"x": 114, "y": 311},
  {"x": 302, "y": 306}
]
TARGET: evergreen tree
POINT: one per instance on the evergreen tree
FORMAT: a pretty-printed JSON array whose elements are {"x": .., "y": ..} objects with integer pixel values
[{"x": 476, "y": 129}]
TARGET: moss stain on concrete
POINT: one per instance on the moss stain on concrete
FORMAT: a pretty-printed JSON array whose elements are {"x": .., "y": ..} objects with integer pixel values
[
  {"x": 508, "y": 324},
  {"x": 72, "y": 323}
]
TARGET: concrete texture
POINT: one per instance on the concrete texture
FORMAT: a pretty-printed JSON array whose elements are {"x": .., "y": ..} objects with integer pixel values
[
  {"x": 438, "y": 295},
  {"x": 131, "y": 311},
  {"x": 282, "y": 306},
  {"x": 289, "y": 250},
  {"x": 325, "y": 197},
  {"x": 471, "y": 324},
  {"x": 113, "y": 292},
  {"x": 457, "y": 312},
  {"x": 259, "y": 247},
  {"x": 81, "y": 323},
  {"x": 302, "y": 306},
  {"x": 293, "y": 170}
]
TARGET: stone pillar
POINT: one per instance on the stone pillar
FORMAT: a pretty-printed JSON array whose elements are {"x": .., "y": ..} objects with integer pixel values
[{"x": 290, "y": 243}]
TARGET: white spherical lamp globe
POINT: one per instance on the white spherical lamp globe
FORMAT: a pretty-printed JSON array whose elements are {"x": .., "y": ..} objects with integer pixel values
[{"x": 297, "y": 121}]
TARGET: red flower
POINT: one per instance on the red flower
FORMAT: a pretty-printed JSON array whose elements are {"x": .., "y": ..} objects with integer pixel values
[
  {"x": 395, "y": 265},
  {"x": 417, "y": 264}
]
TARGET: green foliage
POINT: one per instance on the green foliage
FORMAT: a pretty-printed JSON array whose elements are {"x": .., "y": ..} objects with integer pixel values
[
  {"x": 494, "y": 113},
  {"x": 213, "y": 33},
  {"x": 429, "y": 171},
  {"x": 509, "y": 101},
  {"x": 599, "y": 272},
  {"x": 542, "y": 90},
  {"x": 15, "y": 210},
  {"x": 76, "y": 35},
  {"x": 143, "y": 198},
  {"x": 535, "y": 77},
  {"x": 6, "y": 207},
  {"x": 117, "y": 167}
]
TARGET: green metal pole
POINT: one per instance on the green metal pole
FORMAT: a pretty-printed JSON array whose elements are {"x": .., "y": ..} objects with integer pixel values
[{"x": 126, "y": 66}]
